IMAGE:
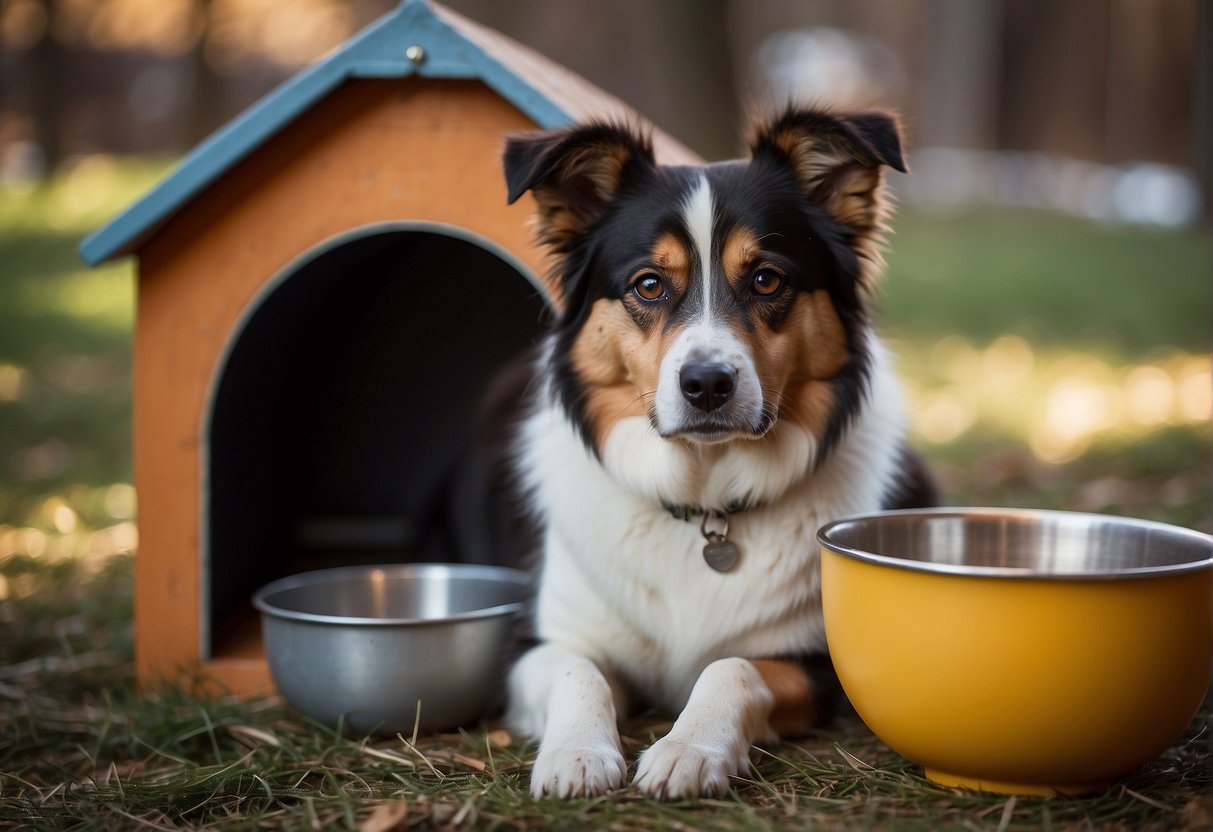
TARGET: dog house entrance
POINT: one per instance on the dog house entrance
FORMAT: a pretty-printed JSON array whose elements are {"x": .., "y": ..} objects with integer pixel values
[{"x": 346, "y": 399}]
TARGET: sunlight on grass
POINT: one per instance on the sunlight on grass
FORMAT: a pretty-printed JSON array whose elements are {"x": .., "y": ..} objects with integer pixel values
[
  {"x": 85, "y": 193},
  {"x": 87, "y": 525},
  {"x": 101, "y": 298},
  {"x": 1058, "y": 403},
  {"x": 91, "y": 523},
  {"x": 14, "y": 382},
  {"x": 65, "y": 356}
]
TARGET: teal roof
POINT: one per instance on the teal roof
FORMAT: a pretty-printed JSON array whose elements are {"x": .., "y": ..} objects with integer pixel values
[{"x": 453, "y": 48}]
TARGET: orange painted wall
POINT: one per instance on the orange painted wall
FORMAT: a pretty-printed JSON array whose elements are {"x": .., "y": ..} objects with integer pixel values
[{"x": 374, "y": 151}]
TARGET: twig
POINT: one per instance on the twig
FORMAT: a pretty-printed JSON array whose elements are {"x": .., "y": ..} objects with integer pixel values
[
  {"x": 390, "y": 756},
  {"x": 57, "y": 664},
  {"x": 1149, "y": 801},
  {"x": 853, "y": 761},
  {"x": 1007, "y": 811},
  {"x": 252, "y": 736},
  {"x": 424, "y": 759}
]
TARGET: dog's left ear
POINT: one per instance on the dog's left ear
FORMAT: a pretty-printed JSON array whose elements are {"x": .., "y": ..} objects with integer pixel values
[
  {"x": 574, "y": 174},
  {"x": 838, "y": 160}
]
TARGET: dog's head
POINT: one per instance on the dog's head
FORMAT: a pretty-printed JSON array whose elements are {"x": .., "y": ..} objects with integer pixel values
[{"x": 712, "y": 301}]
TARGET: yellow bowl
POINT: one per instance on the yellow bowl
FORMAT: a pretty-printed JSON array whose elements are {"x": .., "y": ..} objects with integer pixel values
[{"x": 1028, "y": 652}]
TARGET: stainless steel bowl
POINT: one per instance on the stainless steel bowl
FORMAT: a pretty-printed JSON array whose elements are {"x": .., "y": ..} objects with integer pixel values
[
  {"x": 1019, "y": 543},
  {"x": 369, "y": 645}
]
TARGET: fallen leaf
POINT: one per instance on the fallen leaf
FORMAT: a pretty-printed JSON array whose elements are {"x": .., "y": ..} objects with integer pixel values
[
  {"x": 253, "y": 737},
  {"x": 853, "y": 761},
  {"x": 386, "y": 816}
]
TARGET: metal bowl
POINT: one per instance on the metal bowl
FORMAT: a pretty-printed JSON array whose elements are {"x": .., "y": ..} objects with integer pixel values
[
  {"x": 1017, "y": 651},
  {"x": 371, "y": 645}
]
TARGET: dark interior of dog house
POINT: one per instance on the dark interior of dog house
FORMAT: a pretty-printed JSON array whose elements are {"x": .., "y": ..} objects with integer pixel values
[{"x": 346, "y": 403}]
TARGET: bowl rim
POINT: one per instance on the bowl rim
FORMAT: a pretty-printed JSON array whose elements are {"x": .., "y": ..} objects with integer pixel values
[
  {"x": 504, "y": 574},
  {"x": 1004, "y": 572}
]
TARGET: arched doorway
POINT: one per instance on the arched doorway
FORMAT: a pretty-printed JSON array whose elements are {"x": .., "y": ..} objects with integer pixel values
[{"x": 344, "y": 402}]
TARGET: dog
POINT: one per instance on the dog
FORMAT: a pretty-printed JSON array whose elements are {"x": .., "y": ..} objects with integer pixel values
[{"x": 711, "y": 392}]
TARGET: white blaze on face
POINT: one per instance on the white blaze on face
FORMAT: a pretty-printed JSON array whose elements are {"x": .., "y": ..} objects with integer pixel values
[
  {"x": 706, "y": 338},
  {"x": 697, "y": 216}
]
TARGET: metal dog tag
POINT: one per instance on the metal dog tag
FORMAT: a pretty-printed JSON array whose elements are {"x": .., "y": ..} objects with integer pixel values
[{"x": 720, "y": 553}]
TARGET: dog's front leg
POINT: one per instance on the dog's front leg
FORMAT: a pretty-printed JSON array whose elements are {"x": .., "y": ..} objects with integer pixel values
[
  {"x": 566, "y": 702},
  {"x": 730, "y": 708}
]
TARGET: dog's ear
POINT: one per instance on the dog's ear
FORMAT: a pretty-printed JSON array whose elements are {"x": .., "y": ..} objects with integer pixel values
[
  {"x": 838, "y": 160},
  {"x": 574, "y": 173}
]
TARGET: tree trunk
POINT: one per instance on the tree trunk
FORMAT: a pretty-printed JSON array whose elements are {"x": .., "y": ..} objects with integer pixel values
[
  {"x": 48, "y": 91},
  {"x": 205, "y": 111}
]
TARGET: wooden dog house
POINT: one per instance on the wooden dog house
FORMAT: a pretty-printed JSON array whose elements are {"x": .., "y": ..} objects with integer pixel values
[{"x": 324, "y": 288}]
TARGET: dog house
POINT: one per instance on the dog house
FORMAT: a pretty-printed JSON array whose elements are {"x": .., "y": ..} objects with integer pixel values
[{"x": 325, "y": 287}]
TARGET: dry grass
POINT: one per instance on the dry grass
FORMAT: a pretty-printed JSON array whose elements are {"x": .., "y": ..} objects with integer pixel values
[{"x": 81, "y": 748}]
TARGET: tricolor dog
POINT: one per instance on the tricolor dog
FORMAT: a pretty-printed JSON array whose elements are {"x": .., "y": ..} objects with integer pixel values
[{"x": 711, "y": 393}]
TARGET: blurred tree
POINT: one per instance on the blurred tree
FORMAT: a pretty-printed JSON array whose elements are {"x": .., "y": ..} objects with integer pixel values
[
  {"x": 673, "y": 61},
  {"x": 1202, "y": 106},
  {"x": 48, "y": 88},
  {"x": 1149, "y": 79},
  {"x": 699, "y": 61},
  {"x": 1054, "y": 77},
  {"x": 1103, "y": 80},
  {"x": 205, "y": 112},
  {"x": 960, "y": 98}
]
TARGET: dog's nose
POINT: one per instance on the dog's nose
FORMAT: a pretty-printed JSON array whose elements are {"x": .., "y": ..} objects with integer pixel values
[{"x": 707, "y": 386}]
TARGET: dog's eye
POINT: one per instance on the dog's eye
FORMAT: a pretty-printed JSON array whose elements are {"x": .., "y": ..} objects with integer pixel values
[
  {"x": 649, "y": 287},
  {"x": 767, "y": 282}
]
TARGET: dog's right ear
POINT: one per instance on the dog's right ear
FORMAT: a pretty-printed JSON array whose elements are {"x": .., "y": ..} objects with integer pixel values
[{"x": 574, "y": 173}]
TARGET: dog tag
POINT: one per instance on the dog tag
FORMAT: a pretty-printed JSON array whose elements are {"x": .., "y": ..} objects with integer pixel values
[{"x": 720, "y": 554}]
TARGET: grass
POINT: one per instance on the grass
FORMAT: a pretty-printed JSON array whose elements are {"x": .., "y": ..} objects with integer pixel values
[
  {"x": 1062, "y": 284},
  {"x": 65, "y": 347},
  {"x": 83, "y": 749},
  {"x": 1049, "y": 362}
]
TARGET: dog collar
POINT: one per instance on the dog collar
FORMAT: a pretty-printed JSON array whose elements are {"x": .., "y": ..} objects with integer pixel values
[
  {"x": 719, "y": 552},
  {"x": 689, "y": 513}
]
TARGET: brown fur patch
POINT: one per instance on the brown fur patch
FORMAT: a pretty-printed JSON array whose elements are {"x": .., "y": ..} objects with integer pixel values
[
  {"x": 618, "y": 362},
  {"x": 795, "y": 711},
  {"x": 813, "y": 156},
  {"x": 554, "y": 222},
  {"x": 850, "y": 195},
  {"x": 798, "y": 361},
  {"x": 674, "y": 261},
  {"x": 849, "y": 186},
  {"x": 810, "y": 403},
  {"x": 586, "y": 180},
  {"x": 823, "y": 336},
  {"x": 741, "y": 249}
]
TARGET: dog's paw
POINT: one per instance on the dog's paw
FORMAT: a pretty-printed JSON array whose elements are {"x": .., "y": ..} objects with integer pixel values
[
  {"x": 577, "y": 772},
  {"x": 673, "y": 768}
]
